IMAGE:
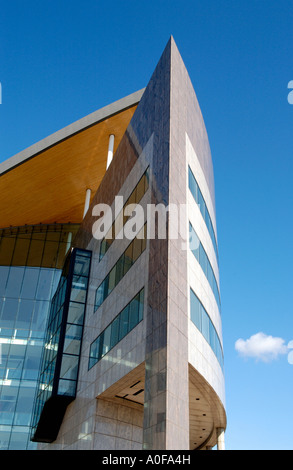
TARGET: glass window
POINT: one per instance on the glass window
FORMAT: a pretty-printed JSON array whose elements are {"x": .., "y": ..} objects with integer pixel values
[
  {"x": 81, "y": 265},
  {"x": 133, "y": 312},
  {"x": 14, "y": 282},
  {"x": 49, "y": 257},
  {"x": 69, "y": 367},
  {"x": 205, "y": 325},
  {"x": 212, "y": 337},
  {"x": 45, "y": 284},
  {"x": 140, "y": 189},
  {"x": 6, "y": 250},
  {"x": 106, "y": 340},
  {"x": 100, "y": 295},
  {"x": 103, "y": 248},
  {"x": 194, "y": 188},
  {"x": 121, "y": 219},
  {"x": 67, "y": 387},
  {"x": 52, "y": 236},
  {"x": 19, "y": 437},
  {"x": 195, "y": 310},
  {"x": 137, "y": 244},
  {"x": 194, "y": 242},
  {"x": 128, "y": 259},
  {"x": 203, "y": 261},
  {"x": 4, "y": 271},
  {"x": 75, "y": 313},
  {"x": 72, "y": 339},
  {"x": 9, "y": 312},
  {"x": 36, "y": 253},
  {"x": 30, "y": 282},
  {"x": 79, "y": 289},
  {"x": 115, "y": 332},
  {"x": 40, "y": 317},
  {"x": 25, "y": 313},
  {"x": 128, "y": 318},
  {"x": 95, "y": 350},
  {"x": 192, "y": 184},
  {"x": 141, "y": 305},
  {"x": 112, "y": 279},
  {"x": 120, "y": 269},
  {"x": 21, "y": 250},
  {"x": 124, "y": 322}
]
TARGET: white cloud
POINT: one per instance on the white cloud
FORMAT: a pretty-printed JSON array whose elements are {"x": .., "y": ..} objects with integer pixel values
[{"x": 262, "y": 347}]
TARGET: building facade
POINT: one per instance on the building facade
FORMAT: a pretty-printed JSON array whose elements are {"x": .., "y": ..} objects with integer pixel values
[{"x": 132, "y": 350}]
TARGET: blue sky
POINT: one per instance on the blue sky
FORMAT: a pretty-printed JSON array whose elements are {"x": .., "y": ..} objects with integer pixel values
[{"x": 60, "y": 61}]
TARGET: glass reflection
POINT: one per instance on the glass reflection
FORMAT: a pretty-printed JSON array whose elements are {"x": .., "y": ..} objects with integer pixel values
[{"x": 31, "y": 259}]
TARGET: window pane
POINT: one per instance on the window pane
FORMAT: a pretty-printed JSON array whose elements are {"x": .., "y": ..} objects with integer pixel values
[
  {"x": 30, "y": 282},
  {"x": 194, "y": 242},
  {"x": 195, "y": 310},
  {"x": 75, "y": 313},
  {"x": 115, "y": 332},
  {"x": 9, "y": 312},
  {"x": 205, "y": 325},
  {"x": 50, "y": 255},
  {"x": 133, "y": 312},
  {"x": 66, "y": 387},
  {"x": 201, "y": 204},
  {"x": 119, "y": 269},
  {"x": 81, "y": 265},
  {"x": 192, "y": 184},
  {"x": 141, "y": 305},
  {"x": 45, "y": 284},
  {"x": 106, "y": 340},
  {"x": 140, "y": 189},
  {"x": 124, "y": 322},
  {"x": 6, "y": 250},
  {"x": 203, "y": 261},
  {"x": 79, "y": 289},
  {"x": 21, "y": 250},
  {"x": 72, "y": 339},
  {"x": 4, "y": 271},
  {"x": 25, "y": 313},
  {"x": 128, "y": 259},
  {"x": 136, "y": 248},
  {"x": 69, "y": 367},
  {"x": 95, "y": 350},
  {"x": 14, "y": 282},
  {"x": 100, "y": 295},
  {"x": 35, "y": 253},
  {"x": 112, "y": 279}
]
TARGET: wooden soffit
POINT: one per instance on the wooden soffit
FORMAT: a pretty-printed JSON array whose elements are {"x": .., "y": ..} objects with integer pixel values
[{"x": 50, "y": 186}]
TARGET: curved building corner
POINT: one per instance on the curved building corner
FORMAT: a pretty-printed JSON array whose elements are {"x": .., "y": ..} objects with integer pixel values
[{"x": 131, "y": 337}]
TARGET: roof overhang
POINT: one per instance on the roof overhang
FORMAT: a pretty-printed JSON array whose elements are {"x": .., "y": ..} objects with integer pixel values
[{"x": 47, "y": 182}]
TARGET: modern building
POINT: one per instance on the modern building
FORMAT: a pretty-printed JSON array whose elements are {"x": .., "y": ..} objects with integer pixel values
[{"x": 111, "y": 332}]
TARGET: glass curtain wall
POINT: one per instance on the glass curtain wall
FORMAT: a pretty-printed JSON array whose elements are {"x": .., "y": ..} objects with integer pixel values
[{"x": 31, "y": 261}]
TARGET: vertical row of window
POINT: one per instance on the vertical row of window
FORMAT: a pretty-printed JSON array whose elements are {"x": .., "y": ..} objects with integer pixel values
[
  {"x": 201, "y": 256},
  {"x": 132, "y": 314},
  {"x": 134, "y": 198},
  {"x": 124, "y": 263},
  {"x": 64, "y": 332},
  {"x": 198, "y": 197},
  {"x": 204, "y": 324},
  {"x": 122, "y": 324}
]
